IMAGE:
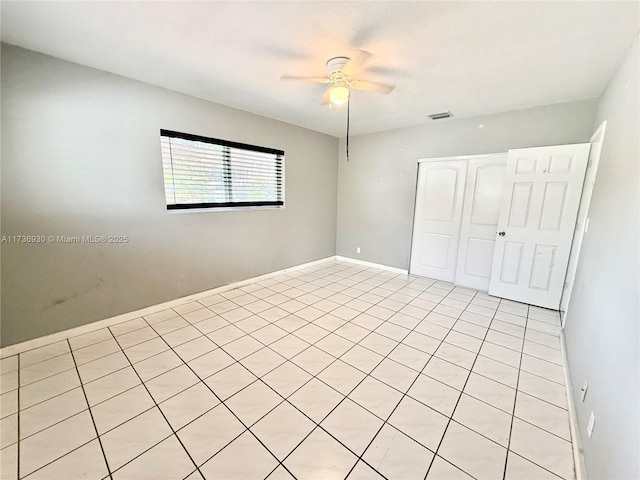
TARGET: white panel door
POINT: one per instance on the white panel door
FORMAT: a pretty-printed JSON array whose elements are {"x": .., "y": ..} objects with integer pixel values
[
  {"x": 537, "y": 217},
  {"x": 436, "y": 227},
  {"x": 480, "y": 214}
]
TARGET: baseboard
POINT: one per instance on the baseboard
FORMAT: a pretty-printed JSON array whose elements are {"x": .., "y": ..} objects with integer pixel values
[
  {"x": 108, "y": 322},
  {"x": 576, "y": 442},
  {"x": 375, "y": 265}
]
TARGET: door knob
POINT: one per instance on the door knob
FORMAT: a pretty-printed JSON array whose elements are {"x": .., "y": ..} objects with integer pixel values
[{"x": 502, "y": 234}]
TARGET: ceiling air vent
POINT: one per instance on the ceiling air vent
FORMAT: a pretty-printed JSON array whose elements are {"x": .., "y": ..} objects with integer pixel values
[{"x": 440, "y": 116}]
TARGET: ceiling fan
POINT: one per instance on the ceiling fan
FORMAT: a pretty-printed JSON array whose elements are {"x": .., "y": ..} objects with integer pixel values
[{"x": 341, "y": 79}]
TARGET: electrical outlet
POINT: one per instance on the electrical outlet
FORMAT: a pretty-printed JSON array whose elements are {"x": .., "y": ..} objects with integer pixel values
[
  {"x": 591, "y": 424},
  {"x": 584, "y": 389},
  {"x": 357, "y": 249}
]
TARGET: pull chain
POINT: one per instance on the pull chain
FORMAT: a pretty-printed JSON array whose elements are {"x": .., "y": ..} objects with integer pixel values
[{"x": 348, "y": 105}]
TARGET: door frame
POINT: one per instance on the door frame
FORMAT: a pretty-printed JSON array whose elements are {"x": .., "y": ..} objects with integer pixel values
[
  {"x": 415, "y": 190},
  {"x": 583, "y": 216}
]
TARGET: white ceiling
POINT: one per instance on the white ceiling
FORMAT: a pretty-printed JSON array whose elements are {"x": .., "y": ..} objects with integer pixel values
[{"x": 471, "y": 58}]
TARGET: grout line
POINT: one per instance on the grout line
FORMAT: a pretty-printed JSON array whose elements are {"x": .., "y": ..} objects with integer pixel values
[
  {"x": 222, "y": 402},
  {"x": 456, "y": 406},
  {"x": 378, "y": 282},
  {"x": 173, "y": 432},
  {"x": 515, "y": 402},
  {"x": 93, "y": 421}
]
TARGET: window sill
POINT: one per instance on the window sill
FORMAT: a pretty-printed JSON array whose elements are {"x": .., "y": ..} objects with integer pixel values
[{"x": 222, "y": 209}]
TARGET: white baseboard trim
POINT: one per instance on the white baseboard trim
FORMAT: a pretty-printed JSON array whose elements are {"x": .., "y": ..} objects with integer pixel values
[
  {"x": 374, "y": 265},
  {"x": 576, "y": 442},
  {"x": 108, "y": 322}
]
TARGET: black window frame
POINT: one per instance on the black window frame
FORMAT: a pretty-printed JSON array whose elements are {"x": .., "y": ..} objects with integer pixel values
[{"x": 279, "y": 163}]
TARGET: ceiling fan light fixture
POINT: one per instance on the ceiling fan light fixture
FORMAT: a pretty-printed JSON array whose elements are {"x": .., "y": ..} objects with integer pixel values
[{"x": 339, "y": 95}]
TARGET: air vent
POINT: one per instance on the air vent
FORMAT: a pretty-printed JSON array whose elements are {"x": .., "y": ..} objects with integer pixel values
[{"x": 440, "y": 116}]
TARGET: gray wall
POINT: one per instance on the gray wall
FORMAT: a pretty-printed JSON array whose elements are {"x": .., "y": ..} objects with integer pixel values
[
  {"x": 601, "y": 331},
  {"x": 81, "y": 155},
  {"x": 376, "y": 189}
]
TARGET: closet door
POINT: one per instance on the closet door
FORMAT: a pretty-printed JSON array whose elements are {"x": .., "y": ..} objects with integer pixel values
[
  {"x": 438, "y": 212},
  {"x": 537, "y": 218},
  {"x": 480, "y": 214}
]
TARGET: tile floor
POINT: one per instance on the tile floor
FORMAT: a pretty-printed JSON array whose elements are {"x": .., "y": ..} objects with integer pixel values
[{"x": 334, "y": 371}]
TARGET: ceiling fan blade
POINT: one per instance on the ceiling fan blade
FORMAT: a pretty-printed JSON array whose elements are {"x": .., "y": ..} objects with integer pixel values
[
  {"x": 372, "y": 86},
  {"x": 306, "y": 79},
  {"x": 353, "y": 65},
  {"x": 325, "y": 100}
]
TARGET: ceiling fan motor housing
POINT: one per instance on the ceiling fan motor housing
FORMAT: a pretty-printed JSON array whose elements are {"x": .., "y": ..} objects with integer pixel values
[{"x": 336, "y": 64}]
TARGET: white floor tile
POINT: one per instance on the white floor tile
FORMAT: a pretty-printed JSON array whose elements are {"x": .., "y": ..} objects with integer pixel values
[
  {"x": 41, "y": 370},
  {"x": 394, "y": 374},
  {"x": 341, "y": 376},
  {"x": 446, "y": 372},
  {"x": 84, "y": 462},
  {"x": 491, "y": 392},
  {"x": 111, "y": 385},
  {"x": 9, "y": 430},
  {"x": 48, "y": 445},
  {"x": 186, "y": 406},
  {"x": 286, "y": 379},
  {"x": 519, "y": 468},
  {"x": 473, "y": 453},
  {"x": 543, "y": 389},
  {"x": 437, "y": 395},
  {"x": 313, "y": 360},
  {"x": 208, "y": 434},
  {"x": 484, "y": 419},
  {"x": 90, "y": 338},
  {"x": 93, "y": 352},
  {"x": 210, "y": 363},
  {"x": 195, "y": 348},
  {"x": 542, "y": 448},
  {"x": 362, "y": 471},
  {"x": 443, "y": 470},
  {"x": 253, "y": 402},
  {"x": 124, "y": 443},
  {"x": 244, "y": 458},
  {"x": 43, "y": 353},
  {"x": 320, "y": 457},
  {"x": 230, "y": 380},
  {"x": 168, "y": 459},
  {"x": 9, "y": 403},
  {"x": 280, "y": 473},
  {"x": 52, "y": 411},
  {"x": 48, "y": 388},
  {"x": 395, "y": 455},
  {"x": 263, "y": 361},
  {"x": 102, "y": 367},
  {"x": 543, "y": 414},
  {"x": 121, "y": 408},
  {"x": 496, "y": 371},
  {"x": 171, "y": 383},
  {"x": 156, "y": 365},
  {"x": 282, "y": 429},
  {"x": 147, "y": 349},
  {"x": 9, "y": 461},
  {"x": 420, "y": 422},
  {"x": 316, "y": 399},
  {"x": 377, "y": 397}
]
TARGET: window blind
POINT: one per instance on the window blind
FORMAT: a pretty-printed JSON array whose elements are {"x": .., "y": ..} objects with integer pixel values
[{"x": 201, "y": 172}]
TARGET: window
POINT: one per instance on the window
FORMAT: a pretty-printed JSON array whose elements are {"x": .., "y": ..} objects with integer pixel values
[{"x": 201, "y": 172}]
